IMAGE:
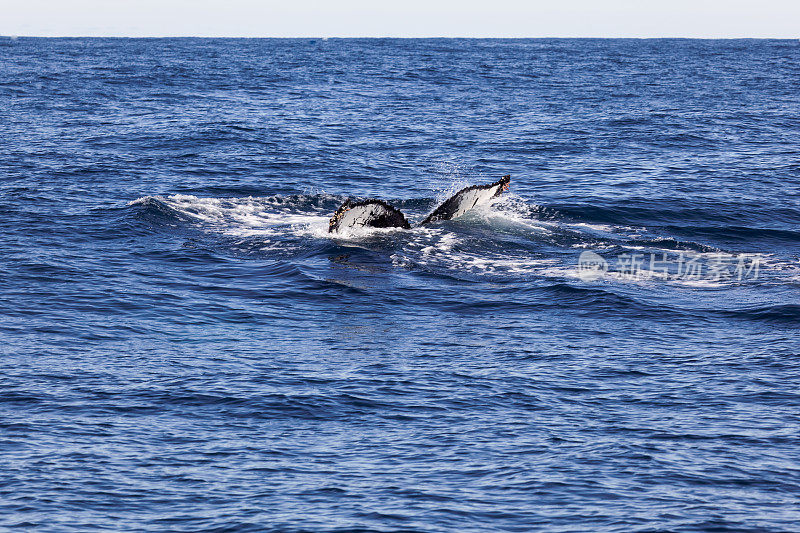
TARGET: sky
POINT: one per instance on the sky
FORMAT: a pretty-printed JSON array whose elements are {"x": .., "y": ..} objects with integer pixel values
[{"x": 402, "y": 18}]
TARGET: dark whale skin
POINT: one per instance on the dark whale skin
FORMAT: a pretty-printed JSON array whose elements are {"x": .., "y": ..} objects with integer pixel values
[
  {"x": 375, "y": 213},
  {"x": 454, "y": 204}
]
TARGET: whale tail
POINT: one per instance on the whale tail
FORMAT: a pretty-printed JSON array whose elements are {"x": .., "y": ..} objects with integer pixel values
[
  {"x": 378, "y": 214},
  {"x": 466, "y": 199},
  {"x": 367, "y": 213}
]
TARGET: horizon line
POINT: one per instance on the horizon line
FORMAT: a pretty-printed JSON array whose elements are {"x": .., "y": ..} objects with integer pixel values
[{"x": 324, "y": 37}]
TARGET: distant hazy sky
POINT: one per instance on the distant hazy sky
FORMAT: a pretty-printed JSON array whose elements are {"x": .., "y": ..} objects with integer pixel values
[{"x": 403, "y": 18}]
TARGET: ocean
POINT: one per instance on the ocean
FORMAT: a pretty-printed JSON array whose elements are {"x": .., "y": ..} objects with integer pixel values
[{"x": 611, "y": 346}]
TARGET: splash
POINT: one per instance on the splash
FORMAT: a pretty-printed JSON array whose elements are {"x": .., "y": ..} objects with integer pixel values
[{"x": 510, "y": 239}]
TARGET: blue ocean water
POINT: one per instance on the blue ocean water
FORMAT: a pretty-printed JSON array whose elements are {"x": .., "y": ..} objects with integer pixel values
[{"x": 185, "y": 348}]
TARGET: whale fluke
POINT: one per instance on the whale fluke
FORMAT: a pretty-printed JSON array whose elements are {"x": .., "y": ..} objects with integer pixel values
[
  {"x": 466, "y": 199},
  {"x": 378, "y": 214},
  {"x": 371, "y": 213}
]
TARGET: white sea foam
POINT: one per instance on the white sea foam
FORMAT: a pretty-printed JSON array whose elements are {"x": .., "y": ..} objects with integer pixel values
[
  {"x": 444, "y": 247},
  {"x": 242, "y": 217}
]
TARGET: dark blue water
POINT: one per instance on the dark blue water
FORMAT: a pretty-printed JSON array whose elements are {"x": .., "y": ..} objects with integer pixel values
[{"x": 184, "y": 348}]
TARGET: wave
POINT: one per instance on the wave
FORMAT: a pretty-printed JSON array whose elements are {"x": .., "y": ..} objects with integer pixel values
[
  {"x": 511, "y": 241},
  {"x": 745, "y": 234},
  {"x": 243, "y": 217},
  {"x": 775, "y": 314},
  {"x": 685, "y": 215}
]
